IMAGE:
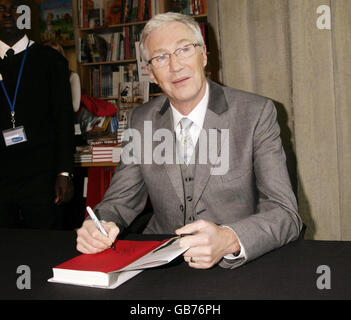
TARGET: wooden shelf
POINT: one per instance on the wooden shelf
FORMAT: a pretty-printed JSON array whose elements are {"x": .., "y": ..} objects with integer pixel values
[
  {"x": 87, "y": 64},
  {"x": 96, "y": 164},
  {"x": 112, "y": 26},
  {"x": 200, "y": 16},
  {"x": 107, "y": 98}
]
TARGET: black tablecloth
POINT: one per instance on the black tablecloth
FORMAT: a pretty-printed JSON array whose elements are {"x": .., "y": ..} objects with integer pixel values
[{"x": 286, "y": 273}]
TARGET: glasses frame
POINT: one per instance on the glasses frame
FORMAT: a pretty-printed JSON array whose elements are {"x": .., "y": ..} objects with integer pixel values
[{"x": 195, "y": 44}]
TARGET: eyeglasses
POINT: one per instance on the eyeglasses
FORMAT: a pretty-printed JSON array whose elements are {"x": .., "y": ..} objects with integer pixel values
[{"x": 181, "y": 53}]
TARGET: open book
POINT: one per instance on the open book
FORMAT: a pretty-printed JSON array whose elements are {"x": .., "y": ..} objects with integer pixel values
[{"x": 111, "y": 268}]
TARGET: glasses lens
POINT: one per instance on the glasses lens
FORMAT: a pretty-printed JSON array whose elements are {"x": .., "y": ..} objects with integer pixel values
[
  {"x": 185, "y": 52},
  {"x": 181, "y": 53},
  {"x": 160, "y": 61}
]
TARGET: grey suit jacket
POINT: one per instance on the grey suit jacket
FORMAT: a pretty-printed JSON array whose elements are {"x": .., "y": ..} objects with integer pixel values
[{"x": 254, "y": 197}]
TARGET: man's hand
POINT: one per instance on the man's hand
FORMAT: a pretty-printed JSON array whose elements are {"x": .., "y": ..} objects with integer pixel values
[
  {"x": 64, "y": 190},
  {"x": 209, "y": 244},
  {"x": 91, "y": 240}
]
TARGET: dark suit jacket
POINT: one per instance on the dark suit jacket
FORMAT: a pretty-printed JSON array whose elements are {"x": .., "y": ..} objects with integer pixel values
[
  {"x": 44, "y": 109},
  {"x": 254, "y": 197}
]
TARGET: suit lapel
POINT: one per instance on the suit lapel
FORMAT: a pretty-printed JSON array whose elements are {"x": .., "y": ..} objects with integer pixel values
[
  {"x": 215, "y": 119},
  {"x": 164, "y": 120}
]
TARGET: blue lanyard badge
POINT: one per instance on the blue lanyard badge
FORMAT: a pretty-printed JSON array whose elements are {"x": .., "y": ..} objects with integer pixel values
[
  {"x": 13, "y": 103},
  {"x": 14, "y": 135}
]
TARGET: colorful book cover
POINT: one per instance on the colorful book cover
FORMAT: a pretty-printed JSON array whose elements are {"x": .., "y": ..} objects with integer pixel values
[{"x": 56, "y": 22}]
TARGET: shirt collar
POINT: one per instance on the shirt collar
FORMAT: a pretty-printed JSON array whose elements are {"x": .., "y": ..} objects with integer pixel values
[
  {"x": 197, "y": 115},
  {"x": 18, "y": 47}
]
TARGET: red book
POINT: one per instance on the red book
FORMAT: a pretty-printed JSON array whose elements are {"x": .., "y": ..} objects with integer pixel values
[
  {"x": 126, "y": 44},
  {"x": 85, "y": 10},
  {"x": 111, "y": 268},
  {"x": 203, "y": 7},
  {"x": 141, "y": 10},
  {"x": 150, "y": 9},
  {"x": 110, "y": 260}
]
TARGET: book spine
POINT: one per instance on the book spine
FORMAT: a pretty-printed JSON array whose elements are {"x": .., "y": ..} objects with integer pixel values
[
  {"x": 203, "y": 7},
  {"x": 141, "y": 10},
  {"x": 126, "y": 43},
  {"x": 85, "y": 14},
  {"x": 148, "y": 9}
]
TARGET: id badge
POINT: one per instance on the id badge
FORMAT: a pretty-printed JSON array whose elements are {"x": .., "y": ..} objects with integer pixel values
[{"x": 14, "y": 136}]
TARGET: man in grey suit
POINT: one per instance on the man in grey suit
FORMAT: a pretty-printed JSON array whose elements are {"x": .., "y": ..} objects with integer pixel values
[{"x": 238, "y": 204}]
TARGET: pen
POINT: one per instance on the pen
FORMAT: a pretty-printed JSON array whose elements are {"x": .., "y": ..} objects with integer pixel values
[
  {"x": 186, "y": 234},
  {"x": 98, "y": 224}
]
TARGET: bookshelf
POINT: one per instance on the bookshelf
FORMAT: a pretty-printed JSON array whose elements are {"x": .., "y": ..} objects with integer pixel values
[
  {"x": 107, "y": 57},
  {"x": 105, "y": 45}
]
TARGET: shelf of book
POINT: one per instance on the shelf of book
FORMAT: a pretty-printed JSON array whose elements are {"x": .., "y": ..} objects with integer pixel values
[
  {"x": 87, "y": 64},
  {"x": 128, "y": 24},
  {"x": 96, "y": 164},
  {"x": 107, "y": 36},
  {"x": 112, "y": 26}
]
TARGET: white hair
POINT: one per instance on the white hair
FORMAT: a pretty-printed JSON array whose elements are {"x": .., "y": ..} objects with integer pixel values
[{"x": 163, "y": 19}]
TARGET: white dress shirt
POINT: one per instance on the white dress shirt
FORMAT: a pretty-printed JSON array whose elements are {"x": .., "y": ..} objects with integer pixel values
[
  {"x": 18, "y": 47},
  {"x": 197, "y": 116}
]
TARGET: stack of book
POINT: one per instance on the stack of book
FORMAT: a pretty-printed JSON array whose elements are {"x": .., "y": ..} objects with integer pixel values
[
  {"x": 99, "y": 149},
  {"x": 83, "y": 154},
  {"x": 110, "y": 138},
  {"x": 106, "y": 153}
]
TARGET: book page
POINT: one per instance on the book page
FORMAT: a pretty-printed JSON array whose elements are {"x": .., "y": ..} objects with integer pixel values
[{"x": 159, "y": 256}]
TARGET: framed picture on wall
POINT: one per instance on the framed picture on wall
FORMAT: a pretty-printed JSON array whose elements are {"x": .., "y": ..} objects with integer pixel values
[{"x": 56, "y": 22}]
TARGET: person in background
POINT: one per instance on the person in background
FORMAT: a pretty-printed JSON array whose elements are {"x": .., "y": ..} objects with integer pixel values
[
  {"x": 230, "y": 217},
  {"x": 36, "y": 122}
]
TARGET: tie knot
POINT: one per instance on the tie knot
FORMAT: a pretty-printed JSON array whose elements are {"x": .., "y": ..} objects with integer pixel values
[
  {"x": 9, "y": 53},
  {"x": 185, "y": 123}
]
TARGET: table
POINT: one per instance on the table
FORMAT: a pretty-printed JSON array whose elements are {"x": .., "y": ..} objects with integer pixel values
[{"x": 286, "y": 273}]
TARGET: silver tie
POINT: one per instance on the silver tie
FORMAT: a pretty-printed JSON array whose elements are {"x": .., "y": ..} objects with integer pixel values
[{"x": 186, "y": 144}]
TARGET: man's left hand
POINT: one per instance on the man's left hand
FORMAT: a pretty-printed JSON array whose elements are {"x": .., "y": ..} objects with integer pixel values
[
  {"x": 63, "y": 190},
  {"x": 208, "y": 244}
]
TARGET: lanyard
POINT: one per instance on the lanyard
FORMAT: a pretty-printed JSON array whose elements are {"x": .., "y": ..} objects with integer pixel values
[{"x": 12, "y": 104}]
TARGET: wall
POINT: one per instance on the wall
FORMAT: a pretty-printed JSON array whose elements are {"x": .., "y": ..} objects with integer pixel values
[{"x": 275, "y": 48}]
